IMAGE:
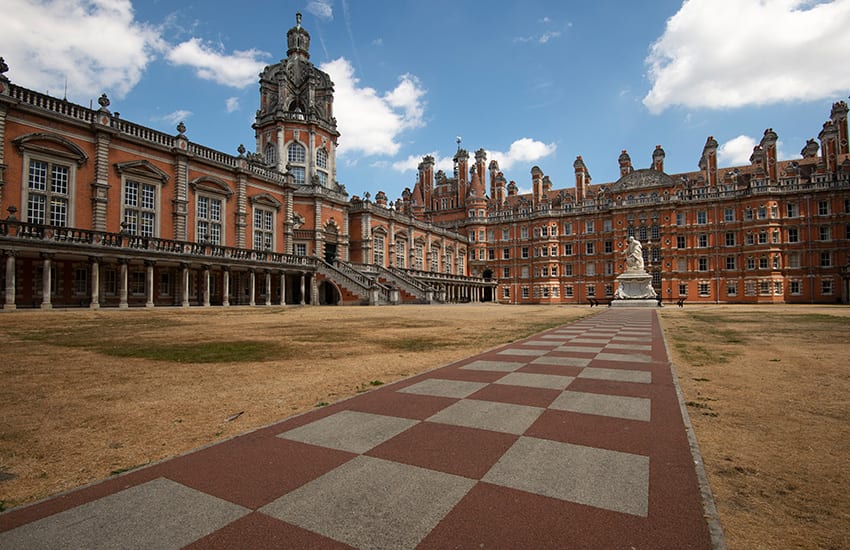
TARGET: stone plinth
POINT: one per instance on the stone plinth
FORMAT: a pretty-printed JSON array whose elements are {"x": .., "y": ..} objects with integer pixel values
[
  {"x": 634, "y": 285},
  {"x": 646, "y": 302}
]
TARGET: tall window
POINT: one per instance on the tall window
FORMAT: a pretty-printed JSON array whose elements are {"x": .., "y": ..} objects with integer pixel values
[
  {"x": 400, "y": 253},
  {"x": 48, "y": 193},
  {"x": 418, "y": 257},
  {"x": 263, "y": 229},
  {"x": 139, "y": 208},
  {"x": 461, "y": 270},
  {"x": 435, "y": 260},
  {"x": 297, "y": 154},
  {"x": 271, "y": 154},
  {"x": 322, "y": 159},
  {"x": 378, "y": 250},
  {"x": 209, "y": 217}
]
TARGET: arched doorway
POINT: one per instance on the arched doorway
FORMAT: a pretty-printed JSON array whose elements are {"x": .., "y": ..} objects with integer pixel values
[
  {"x": 488, "y": 290},
  {"x": 329, "y": 294}
]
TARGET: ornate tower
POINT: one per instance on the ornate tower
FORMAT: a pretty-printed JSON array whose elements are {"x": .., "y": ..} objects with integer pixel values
[{"x": 295, "y": 126}]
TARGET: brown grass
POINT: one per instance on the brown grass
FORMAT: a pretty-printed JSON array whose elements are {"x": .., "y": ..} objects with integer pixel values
[
  {"x": 86, "y": 394},
  {"x": 767, "y": 391}
]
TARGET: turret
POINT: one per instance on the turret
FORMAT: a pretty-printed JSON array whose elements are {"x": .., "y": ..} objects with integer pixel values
[
  {"x": 658, "y": 159},
  {"x": 708, "y": 161},
  {"x": 536, "y": 184},
  {"x": 625, "y": 163},
  {"x": 828, "y": 137},
  {"x": 582, "y": 178},
  {"x": 461, "y": 162},
  {"x": 810, "y": 149},
  {"x": 426, "y": 179},
  {"x": 298, "y": 40},
  {"x": 497, "y": 184},
  {"x": 768, "y": 145},
  {"x": 838, "y": 116},
  {"x": 481, "y": 163}
]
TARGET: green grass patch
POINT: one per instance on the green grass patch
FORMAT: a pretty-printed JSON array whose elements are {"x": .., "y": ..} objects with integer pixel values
[
  {"x": 238, "y": 351},
  {"x": 415, "y": 344}
]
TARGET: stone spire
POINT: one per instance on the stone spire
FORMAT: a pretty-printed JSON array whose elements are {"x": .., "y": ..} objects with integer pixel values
[{"x": 298, "y": 40}]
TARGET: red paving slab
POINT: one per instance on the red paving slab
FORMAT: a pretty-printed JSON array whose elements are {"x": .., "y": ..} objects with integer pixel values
[{"x": 258, "y": 470}]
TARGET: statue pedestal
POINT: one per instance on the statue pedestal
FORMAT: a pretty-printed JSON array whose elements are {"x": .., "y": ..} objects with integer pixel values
[{"x": 634, "y": 289}]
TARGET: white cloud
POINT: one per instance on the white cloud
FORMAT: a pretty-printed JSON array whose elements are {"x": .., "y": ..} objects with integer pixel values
[
  {"x": 176, "y": 117},
  {"x": 321, "y": 9},
  {"x": 372, "y": 122},
  {"x": 231, "y": 104},
  {"x": 539, "y": 38},
  {"x": 736, "y": 151},
  {"x": 238, "y": 70},
  {"x": 732, "y": 53},
  {"x": 521, "y": 151},
  {"x": 378, "y": 42},
  {"x": 96, "y": 45}
]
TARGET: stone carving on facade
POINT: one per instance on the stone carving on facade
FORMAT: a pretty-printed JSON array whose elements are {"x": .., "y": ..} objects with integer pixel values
[{"x": 634, "y": 286}]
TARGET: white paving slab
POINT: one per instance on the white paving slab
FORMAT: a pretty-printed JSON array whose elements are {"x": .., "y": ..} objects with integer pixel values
[
  {"x": 158, "y": 514},
  {"x": 532, "y": 380},
  {"x": 618, "y": 375},
  {"x": 496, "y": 366},
  {"x": 489, "y": 415},
  {"x": 586, "y": 475},
  {"x": 372, "y": 503},
  {"x": 617, "y": 406},
  {"x": 352, "y": 431},
  {"x": 444, "y": 388}
]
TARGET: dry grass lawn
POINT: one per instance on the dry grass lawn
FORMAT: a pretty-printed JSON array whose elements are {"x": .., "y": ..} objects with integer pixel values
[{"x": 88, "y": 394}]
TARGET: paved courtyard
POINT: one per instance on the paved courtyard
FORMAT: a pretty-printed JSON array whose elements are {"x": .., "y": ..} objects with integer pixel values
[{"x": 572, "y": 438}]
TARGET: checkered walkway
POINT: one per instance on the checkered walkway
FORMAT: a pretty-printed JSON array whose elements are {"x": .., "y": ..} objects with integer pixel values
[{"x": 572, "y": 438}]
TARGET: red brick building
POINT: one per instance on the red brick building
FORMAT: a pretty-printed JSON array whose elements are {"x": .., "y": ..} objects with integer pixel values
[{"x": 100, "y": 211}]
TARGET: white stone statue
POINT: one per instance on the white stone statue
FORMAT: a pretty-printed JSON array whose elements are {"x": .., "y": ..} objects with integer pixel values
[{"x": 634, "y": 256}]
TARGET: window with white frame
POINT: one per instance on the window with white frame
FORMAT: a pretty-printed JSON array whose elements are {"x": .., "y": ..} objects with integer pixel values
[
  {"x": 823, "y": 208},
  {"x": 300, "y": 249},
  {"x": 400, "y": 254},
  {"x": 296, "y": 154},
  {"x": 419, "y": 257},
  {"x": 48, "y": 193},
  {"x": 140, "y": 199},
  {"x": 263, "y": 229},
  {"x": 208, "y": 215},
  {"x": 826, "y": 286},
  {"x": 435, "y": 260},
  {"x": 460, "y": 265},
  {"x": 795, "y": 287},
  {"x": 322, "y": 158},
  {"x": 378, "y": 250}
]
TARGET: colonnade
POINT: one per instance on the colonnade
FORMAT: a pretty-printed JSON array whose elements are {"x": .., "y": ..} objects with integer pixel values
[{"x": 183, "y": 270}]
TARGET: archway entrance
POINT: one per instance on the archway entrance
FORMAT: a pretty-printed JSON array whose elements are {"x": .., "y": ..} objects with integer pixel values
[
  {"x": 328, "y": 294},
  {"x": 488, "y": 290}
]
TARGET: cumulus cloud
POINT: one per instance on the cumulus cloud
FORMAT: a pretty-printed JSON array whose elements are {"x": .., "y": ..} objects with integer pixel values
[
  {"x": 96, "y": 45},
  {"x": 176, "y": 117},
  {"x": 231, "y": 104},
  {"x": 522, "y": 151},
  {"x": 321, "y": 9},
  {"x": 237, "y": 70},
  {"x": 732, "y": 53},
  {"x": 370, "y": 121},
  {"x": 736, "y": 151}
]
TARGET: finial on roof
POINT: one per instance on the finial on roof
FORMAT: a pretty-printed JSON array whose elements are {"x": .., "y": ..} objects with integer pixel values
[{"x": 298, "y": 19}]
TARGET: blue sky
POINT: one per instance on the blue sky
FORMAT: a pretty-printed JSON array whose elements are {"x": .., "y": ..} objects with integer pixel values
[{"x": 532, "y": 82}]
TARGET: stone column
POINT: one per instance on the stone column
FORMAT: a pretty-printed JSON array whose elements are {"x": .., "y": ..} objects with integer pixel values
[
  {"x": 10, "y": 281},
  {"x": 185, "y": 285},
  {"x": 268, "y": 288},
  {"x": 314, "y": 291},
  {"x": 225, "y": 300},
  {"x": 95, "y": 283},
  {"x": 302, "y": 289},
  {"x": 122, "y": 284},
  {"x": 252, "y": 287},
  {"x": 149, "y": 283},
  {"x": 45, "y": 282},
  {"x": 206, "y": 286},
  {"x": 283, "y": 289}
]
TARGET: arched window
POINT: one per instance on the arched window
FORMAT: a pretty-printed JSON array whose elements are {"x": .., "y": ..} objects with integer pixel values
[
  {"x": 271, "y": 153},
  {"x": 297, "y": 153},
  {"x": 322, "y": 158}
]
